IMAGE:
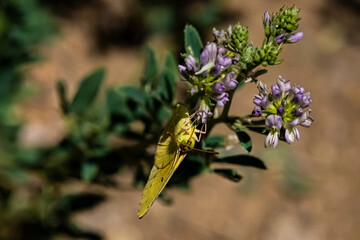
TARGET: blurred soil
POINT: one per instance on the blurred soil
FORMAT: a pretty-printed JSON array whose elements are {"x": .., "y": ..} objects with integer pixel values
[{"x": 311, "y": 188}]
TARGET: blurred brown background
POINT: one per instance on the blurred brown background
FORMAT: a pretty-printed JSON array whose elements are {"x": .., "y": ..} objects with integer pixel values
[{"x": 310, "y": 190}]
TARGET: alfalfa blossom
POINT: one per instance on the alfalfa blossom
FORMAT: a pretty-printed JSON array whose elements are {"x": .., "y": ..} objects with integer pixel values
[
  {"x": 274, "y": 124},
  {"x": 284, "y": 108},
  {"x": 210, "y": 77}
]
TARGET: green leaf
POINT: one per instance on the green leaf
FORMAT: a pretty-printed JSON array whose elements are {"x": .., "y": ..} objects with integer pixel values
[
  {"x": 244, "y": 160},
  {"x": 61, "y": 89},
  {"x": 259, "y": 72},
  {"x": 164, "y": 113},
  {"x": 139, "y": 97},
  {"x": 215, "y": 141},
  {"x": 262, "y": 130},
  {"x": 29, "y": 157},
  {"x": 193, "y": 44},
  {"x": 87, "y": 91},
  {"x": 73, "y": 230},
  {"x": 116, "y": 103},
  {"x": 241, "y": 84},
  {"x": 89, "y": 171},
  {"x": 167, "y": 83},
  {"x": 79, "y": 202},
  {"x": 245, "y": 140},
  {"x": 265, "y": 131},
  {"x": 150, "y": 68},
  {"x": 193, "y": 165},
  {"x": 134, "y": 93},
  {"x": 230, "y": 174}
]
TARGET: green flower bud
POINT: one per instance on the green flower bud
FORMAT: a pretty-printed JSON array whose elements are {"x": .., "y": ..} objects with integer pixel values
[
  {"x": 250, "y": 56},
  {"x": 269, "y": 53},
  {"x": 285, "y": 21},
  {"x": 237, "y": 38}
]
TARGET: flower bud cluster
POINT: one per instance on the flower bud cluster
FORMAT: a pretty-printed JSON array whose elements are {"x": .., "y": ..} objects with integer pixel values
[
  {"x": 237, "y": 38},
  {"x": 282, "y": 25},
  {"x": 236, "y": 41},
  {"x": 269, "y": 53},
  {"x": 210, "y": 77},
  {"x": 284, "y": 108}
]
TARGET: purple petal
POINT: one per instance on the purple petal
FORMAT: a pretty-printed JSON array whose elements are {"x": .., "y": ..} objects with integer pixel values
[
  {"x": 267, "y": 140},
  {"x": 298, "y": 112},
  {"x": 284, "y": 85},
  {"x": 229, "y": 82},
  {"x": 280, "y": 110},
  {"x": 219, "y": 88},
  {"x": 191, "y": 63},
  {"x": 296, "y": 37},
  {"x": 183, "y": 71},
  {"x": 275, "y": 140},
  {"x": 215, "y": 71},
  {"x": 193, "y": 91},
  {"x": 276, "y": 91},
  {"x": 204, "y": 58},
  {"x": 280, "y": 38},
  {"x": 297, "y": 134},
  {"x": 212, "y": 49},
  {"x": 257, "y": 112},
  {"x": 266, "y": 20}
]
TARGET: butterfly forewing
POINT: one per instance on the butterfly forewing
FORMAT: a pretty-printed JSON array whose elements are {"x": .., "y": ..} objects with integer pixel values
[{"x": 168, "y": 157}]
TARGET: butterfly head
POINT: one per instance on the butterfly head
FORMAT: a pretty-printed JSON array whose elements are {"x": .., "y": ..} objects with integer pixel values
[{"x": 187, "y": 144}]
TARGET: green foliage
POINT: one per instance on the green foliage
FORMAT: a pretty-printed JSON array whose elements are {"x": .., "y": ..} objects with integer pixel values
[
  {"x": 87, "y": 91},
  {"x": 150, "y": 68},
  {"x": 23, "y": 25},
  {"x": 228, "y": 173},
  {"x": 244, "y": 160},
  {"x": 245, "y": 140},
  {"x": 104, "y": 135},
  {"x": 193, "y": 43}
]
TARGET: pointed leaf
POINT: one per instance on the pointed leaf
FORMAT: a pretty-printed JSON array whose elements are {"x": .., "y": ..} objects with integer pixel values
[
  {"x": 259, "y": 72},
  {"x": 89, "y": 171},
  {"x": 150, "y": 68},
  {"x": 167, "y": 84},
  {"x": 73, "y": 230},
  {"x": 193, "y": 44},
  {"x": 62, "y": 91},
  {"x": 87, "y": 91},
  {"x": 117, "y": 107},
  {"x": 79, "y": 202},
  {"x": 230, "y": 174},
  {"x": 215, "y": 141},
  {"x": 192, "y": 165},
  {"x": 245, "y": 140},
  {"x": 261, "y": 130},
  {"x": 244, "y": 160}
]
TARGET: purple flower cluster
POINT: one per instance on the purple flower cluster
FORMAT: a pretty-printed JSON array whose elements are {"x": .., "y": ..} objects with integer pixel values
[
  {"x": 219, "y": 93},
  {"x": 210, "y": 75},
  {"x": 283, "y": 108},
  {"x": 213, "y": 60}
]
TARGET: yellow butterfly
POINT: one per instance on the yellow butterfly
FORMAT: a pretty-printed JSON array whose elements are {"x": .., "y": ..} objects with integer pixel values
[{"x": 175, "y": 142}]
